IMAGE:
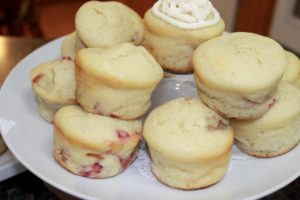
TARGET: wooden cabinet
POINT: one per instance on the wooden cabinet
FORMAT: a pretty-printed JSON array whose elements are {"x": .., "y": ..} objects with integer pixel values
[
  {"x": 140, "y": 6},
  {"x": 254, "y": 16}
]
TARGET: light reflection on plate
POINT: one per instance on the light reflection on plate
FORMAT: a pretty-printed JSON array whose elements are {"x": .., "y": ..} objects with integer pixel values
[{"x": 30, "y": 140}]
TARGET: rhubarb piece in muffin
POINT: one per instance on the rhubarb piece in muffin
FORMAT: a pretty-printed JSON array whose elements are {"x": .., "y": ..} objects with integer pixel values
[
  {"x": 116, "y": 82},
  {"x": 105, "y": 24},
  {"x": 237, "y": 74},
  {"x": 174, "y": 29},
  {"x": 94, "y": 146},
  {"x": 53, "y": 83},
  {"x": 277, "y": 132},
  {"x": 190, "y": 145}
]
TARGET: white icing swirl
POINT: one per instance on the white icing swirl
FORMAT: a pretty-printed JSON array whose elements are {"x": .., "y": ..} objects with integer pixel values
[{"x": 187, "y": 14}]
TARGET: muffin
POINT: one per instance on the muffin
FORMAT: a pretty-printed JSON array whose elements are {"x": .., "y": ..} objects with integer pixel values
[
  {"x": 94, "y": 146},
  {"x": 116, "y": 82},
  {"x": 105, "y": 24},
  {"x": 277, "y": 132},
  {"x": 237, "y": 74},
  {"x": 292, "y": 73},
  {"x": 174, "y": 29},
  {"x": 79, "y": 44},
  {"x": 71, "y": 45},
  {"x": 297, "y": 83},
  {"x": 68, "y": 45},
  {"x": 53, "y": 83},
  {"x": 190, "y": 150}
]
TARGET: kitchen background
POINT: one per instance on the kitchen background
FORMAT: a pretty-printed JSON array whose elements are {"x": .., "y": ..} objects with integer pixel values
[{"x": 50, "y": 19}]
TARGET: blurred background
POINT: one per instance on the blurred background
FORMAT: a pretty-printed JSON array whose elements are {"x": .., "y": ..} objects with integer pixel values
[{"x": 50, "y": 19}]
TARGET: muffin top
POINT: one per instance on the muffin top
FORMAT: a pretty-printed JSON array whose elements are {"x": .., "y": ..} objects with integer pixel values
[
  {"x": 162, "y": 28},
  {"x": 187, "y": 130},
  {"x": 285, "y": 110},
  {"x": 240, "y": 62},
  {"x": 292, "y": 72},
  {"x": 121, "y": 66},
  {"x": 97, "y": 132},
  {"x": 104, "y": 24},
  {"x": 54, "y": 81}
]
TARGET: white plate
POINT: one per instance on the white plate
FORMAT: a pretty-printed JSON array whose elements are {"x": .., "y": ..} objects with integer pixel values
[{"x": 29, "y": 138}]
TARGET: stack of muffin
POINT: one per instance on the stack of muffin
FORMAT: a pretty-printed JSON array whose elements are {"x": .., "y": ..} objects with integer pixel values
[
  {"x": 244, "y": 77},
  {"x": 241, "y": 77},
  {"x": 96, "y": 94}
]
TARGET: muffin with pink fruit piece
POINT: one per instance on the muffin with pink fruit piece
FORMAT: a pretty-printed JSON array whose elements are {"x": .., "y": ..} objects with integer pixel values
[
  {"x": 117, "y": 81},
  {"x": 277, "y": 132},
  {"x": 94, "y": 146},
  {"x": 53, "y": 83},
  {"x": 237, "y": 74}
]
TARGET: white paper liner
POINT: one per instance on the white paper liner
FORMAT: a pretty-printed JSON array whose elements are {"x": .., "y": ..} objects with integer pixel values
[{"x": 142, "y": 163}]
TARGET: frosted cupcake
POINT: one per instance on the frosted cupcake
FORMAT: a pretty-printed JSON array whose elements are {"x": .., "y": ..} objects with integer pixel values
[{"x": 174, "y": 29}]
